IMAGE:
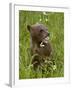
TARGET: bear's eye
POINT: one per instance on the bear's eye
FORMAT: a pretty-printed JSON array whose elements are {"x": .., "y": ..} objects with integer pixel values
[{"x": 41, "y": 30}]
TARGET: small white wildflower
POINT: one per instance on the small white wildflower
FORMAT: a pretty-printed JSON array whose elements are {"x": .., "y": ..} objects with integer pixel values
[
  {"x": 54, "y": 67},
  {"x": 41, "y": 44},
  {"x": 46, "y": 19},
  {"x": 40, "y": 19},
  {"x": 44, "y": 13}
]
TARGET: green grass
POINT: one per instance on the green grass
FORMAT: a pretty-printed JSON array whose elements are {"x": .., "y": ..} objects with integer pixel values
[{"x": 55, "y": 23}]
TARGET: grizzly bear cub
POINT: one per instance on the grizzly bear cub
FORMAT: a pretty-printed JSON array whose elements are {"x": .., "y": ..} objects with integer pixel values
[{"x": 40, "y": 45}]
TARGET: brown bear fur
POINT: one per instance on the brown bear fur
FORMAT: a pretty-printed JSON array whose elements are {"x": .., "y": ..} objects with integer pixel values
[{"x": 40, "y": 44}]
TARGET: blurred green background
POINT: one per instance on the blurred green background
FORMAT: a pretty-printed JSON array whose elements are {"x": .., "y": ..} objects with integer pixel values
[{"x": 54, "y": 21}]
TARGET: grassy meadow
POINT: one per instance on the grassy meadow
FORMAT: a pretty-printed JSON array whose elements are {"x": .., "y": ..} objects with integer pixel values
[{"x": 55, "y": 23}]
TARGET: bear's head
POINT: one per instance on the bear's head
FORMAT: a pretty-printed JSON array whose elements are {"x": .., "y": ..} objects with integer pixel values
[{"x": 39, "y": 33}]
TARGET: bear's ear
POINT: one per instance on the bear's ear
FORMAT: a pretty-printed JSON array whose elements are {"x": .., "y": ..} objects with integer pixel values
[{"x": 29, "y": 27}]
